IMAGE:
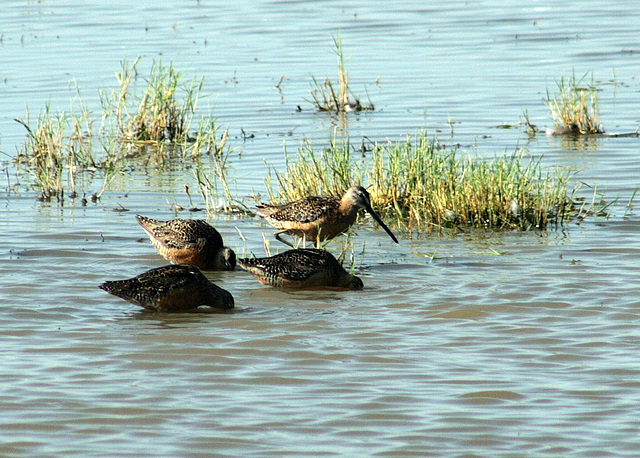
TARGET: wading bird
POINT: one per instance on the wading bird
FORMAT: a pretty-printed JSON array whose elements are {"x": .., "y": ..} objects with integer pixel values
[
  {"x": 189, "y": 241},
  {"x": 319, "y": 217},
  {"x": 301, "y": 268},
  {"x": 171, "y": 288}
]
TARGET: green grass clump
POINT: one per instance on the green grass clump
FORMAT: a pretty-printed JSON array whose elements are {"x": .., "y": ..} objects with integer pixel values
[
  {"x": 163, "y": 114},
  {"x": 55, "y": 151},
  {"x": 574, "y": 108},
  {"x": 341, "y": 99},
  {"x": 309, "y": 175},
  {"x": 420, "y": 186},
  {"x": 149, "y": 127}
]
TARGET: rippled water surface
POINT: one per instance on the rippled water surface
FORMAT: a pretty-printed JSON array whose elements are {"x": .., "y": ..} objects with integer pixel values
[{"x": 520, "y": 344}]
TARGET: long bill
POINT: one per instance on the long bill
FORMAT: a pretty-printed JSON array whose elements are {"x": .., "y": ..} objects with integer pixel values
[{"x": 379, "y": 221}]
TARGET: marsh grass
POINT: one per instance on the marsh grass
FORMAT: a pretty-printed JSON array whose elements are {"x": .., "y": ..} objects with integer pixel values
[
  {"x": 214, "y": 188},
  {"x": 420, "y": 186},
  {"x": 56, "y": 150},
  {"x": 155, "y": 115},
  {"x": 575, "y": 107},
  {"x": 309, "y": 174},
  {"x": 162, "y": 113},
  {"x": 327, "y": 97},
  {"x": 152, "y": 127}
]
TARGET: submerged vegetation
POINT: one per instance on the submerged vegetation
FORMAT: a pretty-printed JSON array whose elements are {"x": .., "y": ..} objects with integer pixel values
[
  {"x": 421, "y": 186},
  {"x": 326, "y": 97}
]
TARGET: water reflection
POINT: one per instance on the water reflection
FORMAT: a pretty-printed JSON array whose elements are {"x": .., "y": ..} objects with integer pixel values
[{"x": 579, "y": 143}]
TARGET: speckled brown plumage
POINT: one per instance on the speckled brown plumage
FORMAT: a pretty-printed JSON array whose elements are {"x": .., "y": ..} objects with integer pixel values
[
  {"x": 320, "y": 218},
  {"x": 189, "y": 241},
  {"x": 301, "y": 268},
  {"x": 170, "y": 289}
]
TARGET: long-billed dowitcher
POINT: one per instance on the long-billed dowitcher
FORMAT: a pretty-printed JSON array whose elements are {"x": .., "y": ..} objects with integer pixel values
[
  {"x": 170, "y": 289},
  {"x": 189, "y": 241},
  {"x": 301, "y": 268},
  {"x": 319, "y": 217}
]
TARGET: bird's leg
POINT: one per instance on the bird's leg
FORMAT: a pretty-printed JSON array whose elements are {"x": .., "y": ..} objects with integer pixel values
[{"x": 280, "y": 239}]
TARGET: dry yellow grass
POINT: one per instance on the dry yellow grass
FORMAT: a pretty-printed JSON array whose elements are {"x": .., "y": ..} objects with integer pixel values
[{"x": 574, "y": 108}]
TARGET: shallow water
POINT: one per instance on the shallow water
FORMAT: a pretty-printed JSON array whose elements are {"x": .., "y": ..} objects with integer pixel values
[{"x": 492, "y": 343}]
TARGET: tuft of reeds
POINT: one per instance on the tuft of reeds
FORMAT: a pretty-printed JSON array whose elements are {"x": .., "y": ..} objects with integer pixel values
[
  {"x": 149, "y": 127},
  {"x": 326, "y": 97},
  {"x": 56, "y": 148},
  {"x": 163, "y": 114},
  {"x": 574, "y": 107},
  {"x": 420, "y": 186},
  {"x": 308, "y": 174}
]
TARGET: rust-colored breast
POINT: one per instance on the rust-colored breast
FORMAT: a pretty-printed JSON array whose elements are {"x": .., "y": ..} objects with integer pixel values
[
  {"x": 309, "y": 217},
  {"x": 184, "y": 241}
]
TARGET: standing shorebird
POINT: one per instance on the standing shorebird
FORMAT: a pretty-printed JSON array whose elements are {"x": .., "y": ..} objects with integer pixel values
[
  {"x": 170, "y": 289},
  {"x": 189, "y": 241},
  {"x": 301, "y": 268},
  {"x": 318, "y": 217}
]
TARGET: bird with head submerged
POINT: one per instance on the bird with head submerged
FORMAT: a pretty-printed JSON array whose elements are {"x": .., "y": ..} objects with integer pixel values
[
  {"x": 189, "y": 241},
  {"x": 301, "y": 268},
  {"x": 173, "y": 288},
  {"x": 320, "y": 217}
]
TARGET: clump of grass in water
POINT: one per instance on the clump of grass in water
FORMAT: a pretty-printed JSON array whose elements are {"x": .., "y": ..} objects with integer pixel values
[
  {"x": 421, "y": 186},
  {"x": 326, "y": 98},
  {"x": 574, "y": 108},
  {"x": 130, "y": 125},
  {"x": 163, "y": 114},
  {"x": 330, "y": 174},
  {"x": 50, "y": 151}
]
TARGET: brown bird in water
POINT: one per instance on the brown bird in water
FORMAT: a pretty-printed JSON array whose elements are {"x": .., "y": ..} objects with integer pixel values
[
  {"x": 320, "y": 217},
  {"x": 189, "y": 241},
  {"x": 171, "y": 288},
  {"x": 301, "y": 268}
]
